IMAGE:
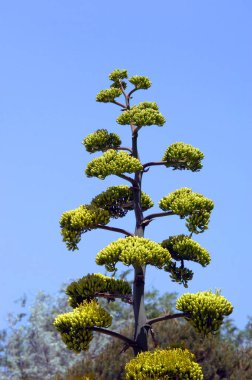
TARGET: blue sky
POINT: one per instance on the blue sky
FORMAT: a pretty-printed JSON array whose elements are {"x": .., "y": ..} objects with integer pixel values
[{"x": 56, "y": 56}]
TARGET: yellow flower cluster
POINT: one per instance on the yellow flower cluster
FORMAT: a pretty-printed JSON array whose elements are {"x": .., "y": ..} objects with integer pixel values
[
  {"x": 112, "y": 162},
  {"x": 133, "y": 250},
  {"x": 118, "y": 200},
  {"x": 206, "y": 310},
  {"x": 145, "y": 105},
  {"x": 181, "y": 247},
  {"x": 118, "y": 74},
  {"x": 87, "y": 288},
  {"x": 145, "y": 113},
  {"x": 140, "y": 82},
  {"x": 108, "y": 95},
  {"x": 183, "y": 156},
  {"x": 118, "y": 83},
  {"x": 76, "y": 327},
  {"x": 73, "y": 223},
  {"x": 101, "y": 140},
  {"x": 164, "y": 364},
  {"x": 184, "y": 202}
]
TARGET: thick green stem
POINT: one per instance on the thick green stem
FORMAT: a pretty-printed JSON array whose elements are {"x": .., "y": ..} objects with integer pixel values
[{"x": 141, "y": 331}]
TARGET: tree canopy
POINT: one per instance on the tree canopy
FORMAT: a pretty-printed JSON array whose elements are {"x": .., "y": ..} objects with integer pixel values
[{"x": 206, "y": 310}]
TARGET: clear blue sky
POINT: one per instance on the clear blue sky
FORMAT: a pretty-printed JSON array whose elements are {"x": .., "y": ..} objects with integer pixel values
[{"x": 55, "y": 57}]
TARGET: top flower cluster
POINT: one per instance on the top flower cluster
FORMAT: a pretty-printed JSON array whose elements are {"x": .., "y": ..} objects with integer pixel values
[{"x": 146, "y": 113}]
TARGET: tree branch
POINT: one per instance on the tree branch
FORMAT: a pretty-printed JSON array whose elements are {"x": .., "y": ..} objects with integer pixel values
[
  {"x": 138, "y": 128},
  {"x": 119, "y": 104},
  {"x": 124, "y": 93},
  {"x": 127, "y": 178},
  {"x": 114, "y": 334},
  {"x": 124, "y": 148},
  {"x": 166, "y": 163},
  {"x": 132, "y": 91},
  {"x": 154, "y": 164},
  {"x": 124, "y": 297},
  {"x": 150, "y": 217},
  {"x": 154, "y": 337},
  {"x": 165, "y": 317},
  {"x": 133, "y": 130},
  {"x": 115, "y": 229}
]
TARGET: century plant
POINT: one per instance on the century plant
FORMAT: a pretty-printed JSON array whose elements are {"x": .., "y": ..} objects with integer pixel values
[{"x": 204, "y": 310}]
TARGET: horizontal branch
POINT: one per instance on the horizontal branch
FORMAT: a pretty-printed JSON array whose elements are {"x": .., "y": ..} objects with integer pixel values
[
  {"x": 154, "y": 164},
  {"x": 114, "y": 229},
  {"x": 114, "y": 334},
  {"x": 166, "y": 317},
  {"x": 166, "y": 163},
  {"x": 124, "y": 297},
  {"x": 150, "y": 217},
  {"x": 123, "y": 176},
  {"x": 119, "y": 104}
]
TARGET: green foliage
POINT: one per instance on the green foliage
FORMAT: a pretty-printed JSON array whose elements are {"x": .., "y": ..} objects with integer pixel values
[
  {"x": 101, "y": 140},
  {"x": 143, "y": 114},
  {"x": 74, "y": 327},
  {"x": 184, "y": 202},
  {"x": 117, "y": 77},
  {"x": 108, "y": 95},
  {"x": 119, "y": 84},
  {"x": 133, "y": 250},
  {"x": 112, "y": 162},
  {"x": 74, "y": 223},
  {"x": 182, "y": 247},
  {"x": 118, "y": 74},
  {"x": 118, "y": 200},
  {"x": 147, "y": 105},
  {"x": 206, "y": 310},
  {"x": 179, "y": 274},
  {"x": 140, "y": 82},
  {"x": 90, "y": 286},
  {"x": 174, "y": 364},
  {"x": 183, "y": 156}
]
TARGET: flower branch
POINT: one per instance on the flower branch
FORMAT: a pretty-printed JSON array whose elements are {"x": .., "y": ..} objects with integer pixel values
[
  {"x": 166, "y": 317},
  {"x": 114, "y": 334},
  {"x": 150, "y": 217},
  {"x": 114, "y": 229},
  {"x": 165, "y": 163},
  {"x": 127, "y": 178},
  {"x": 109, "y": 296}
]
